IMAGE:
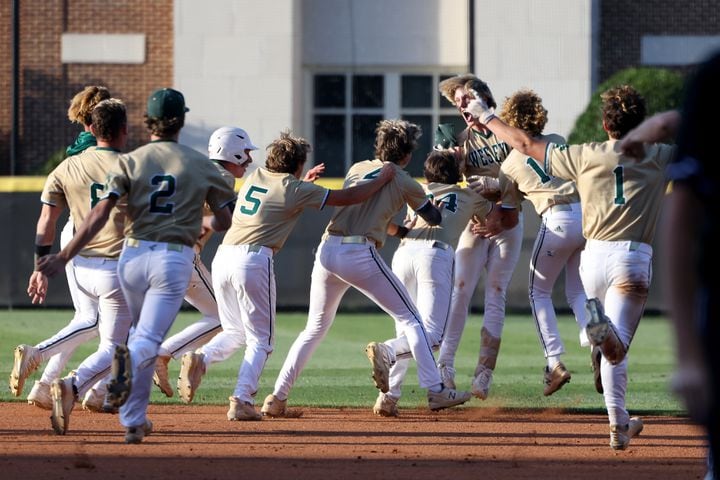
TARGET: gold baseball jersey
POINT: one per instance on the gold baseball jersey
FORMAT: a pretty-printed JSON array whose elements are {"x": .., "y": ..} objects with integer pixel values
[
  {"x": 620, "y": 195},
  {"x": 371, "y": 217},
  {"x": 205, "y": 236},
  {"x": 482, "y": 153},
  {"x": 167, "y": 184},
  {"x": 269, "y": 205},
  {"x": 78, "y": 183},
  {"x": 459, "y": 206},
  {"x": 522, "y": 177}
]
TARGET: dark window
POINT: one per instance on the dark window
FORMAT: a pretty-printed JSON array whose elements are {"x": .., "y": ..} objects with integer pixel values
[
  {"x": 363, "y": 132},
  {"x": 329, "y": 144},
  {"x": 329, "y": 91},
  {"x": 368, "y": 91},
  {"x": 415, "y": 168},
  {"x": 417, "y": 91}
]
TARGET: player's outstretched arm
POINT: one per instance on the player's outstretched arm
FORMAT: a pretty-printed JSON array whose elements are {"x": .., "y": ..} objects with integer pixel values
[
  {"x": 360, "y": 193},
  {"x": 51, "y": 265},
  {"x": 221, "y": 219},
  {"x": 314, "y": 173},
  {"x": 660, "y": 127}
]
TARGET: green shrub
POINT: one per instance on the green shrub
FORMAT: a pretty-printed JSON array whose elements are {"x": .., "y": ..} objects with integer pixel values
[{"x": 661, "y": 88}]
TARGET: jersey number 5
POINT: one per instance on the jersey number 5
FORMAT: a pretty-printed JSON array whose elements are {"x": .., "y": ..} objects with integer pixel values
[
  {"x": 251, "y": 197},
  {"x": 166, "y": 189}
]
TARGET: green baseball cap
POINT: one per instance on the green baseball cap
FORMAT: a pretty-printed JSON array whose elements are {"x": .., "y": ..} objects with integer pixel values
[
  {"x": 166, "y": 103},
  {"x": 445, "y": 137}
]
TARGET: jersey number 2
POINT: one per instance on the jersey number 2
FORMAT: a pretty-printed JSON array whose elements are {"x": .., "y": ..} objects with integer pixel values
[{"x": 165, "y": 190}]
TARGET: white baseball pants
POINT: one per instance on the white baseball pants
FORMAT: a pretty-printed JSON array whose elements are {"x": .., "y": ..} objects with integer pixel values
[
  {"x": 99, "y": 285},
  {"x": 558, "y": 245},
  {"x": 498, "y": 255},
  {"x": 83, "y": 327},
  {"x": 337, "y": 267},
  {"x": 619, "y": 274},
  {"x": 425, "y": 267},
  {"x": 200, "y": 294},
  {"x": 244, "y": 280},
  {"x": 154, "y": 277}
]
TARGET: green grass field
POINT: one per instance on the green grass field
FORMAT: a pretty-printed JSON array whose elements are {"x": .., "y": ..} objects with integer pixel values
[{"x": 339, "y": 373}]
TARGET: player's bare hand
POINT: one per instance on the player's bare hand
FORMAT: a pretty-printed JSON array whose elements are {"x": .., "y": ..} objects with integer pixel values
[
  {"x": 387, "y": 173},
  {"x": 314, "y": 173},
  {"x": 37, "y": 287},
  {"x": 632, "y": 146},
  {"x": 51, "y": 265}
]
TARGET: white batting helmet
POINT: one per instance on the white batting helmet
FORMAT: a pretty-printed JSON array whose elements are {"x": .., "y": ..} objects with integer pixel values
[{"x": 229, "y": 144}]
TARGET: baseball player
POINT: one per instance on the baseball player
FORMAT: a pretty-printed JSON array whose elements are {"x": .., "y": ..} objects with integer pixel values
[
  {"x": 559, "y": 241},
  {"x": 78, "y": 183},
  {"x": 269, "y": 205},
  {"x": 621, "y": 199},
  {"x": 497, "y": 251},
  {"x": 166, "y": 186},
  {"x": 58, "y": 349},
  {"x": 228, "y": 147},
  {"x": 347, "y": 256},
  {"x": 425, "y": 263}
]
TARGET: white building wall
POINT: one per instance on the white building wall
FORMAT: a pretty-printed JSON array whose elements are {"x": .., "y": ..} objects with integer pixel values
[
  {"x": 543, "y": 45},
  {"x": 238, "y": 63},
  {"x": 385, "y": 33}
]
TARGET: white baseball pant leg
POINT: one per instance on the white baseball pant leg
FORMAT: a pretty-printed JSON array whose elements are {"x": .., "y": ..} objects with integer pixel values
[
  {"x": 337, "y": 267},
  {"x": 245, "y": 283},
  {"x": 82, "y": 328},
  {"x": 470, "y": 260},
  {"x": 426, "y": 270},
  {"x": 558, "y": 245},
  {"x": 619, "y": 274},
  {"x": 200, "y": 294},
  {"x": 98, "y": 278},
  {"x": 154, "y": 277}
]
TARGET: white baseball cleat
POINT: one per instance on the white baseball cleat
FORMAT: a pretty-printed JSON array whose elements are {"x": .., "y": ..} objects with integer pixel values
[
  {"x": 481, "y": 383},
  {"x": 161, "y": 377},
  {"x": 27, "y": 360},
  {"x": 602, "y": 333},
  {"x": 381, "y": 359},
  {"x": 192, "y": 369},
  {"x": 40, "y": 395},
  {"x": 242, "y": 411},
  {"x": 446, "y": 398},
  {"x": 386, "y": 406},
  {"x": 620, "y": 435},
  {"x": 447, "y": 375},
  {"x": 137, "y": 434},
  {"x": 555, "y": 379},
  {"x": 118, "y": 389},
  {"x": 63, "y": 395},
  {"x": 274, "y": 407}
]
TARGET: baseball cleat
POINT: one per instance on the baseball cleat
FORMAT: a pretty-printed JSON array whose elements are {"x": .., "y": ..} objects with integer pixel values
[
  {"x": 192, "y": 369},
  {"x": 447, "y": 375},
  {"x": 161, "y": 377},
  {"x": 63, "y": 395},
  {"x": 40, "y": 395},
  {"x": 386, "y": 406},
  {"x": 555, "y": 378},
  {"x": 94, "y": 400},
  {"x": 137, "y": 434},
  {"x": 595, "y": 357},
  {"x": 482, "y": 381},
  {"x": 446, "y": 398},
  {"x": 118, "y": 389},
  {"x": 274, "y": 407},
  {"x": 27, "y": 360},
  {"x": 242, "y": 411},
  {"x": 380, "y": 357},
  {"x": 620, "y": 435}
]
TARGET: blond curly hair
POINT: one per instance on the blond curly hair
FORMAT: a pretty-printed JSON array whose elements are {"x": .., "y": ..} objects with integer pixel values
[
  {"x": 82, "y": 104},
  {"x": 524, "y": 110}
]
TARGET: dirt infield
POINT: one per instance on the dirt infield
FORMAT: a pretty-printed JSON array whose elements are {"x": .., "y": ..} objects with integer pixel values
[{"x": 192, "y": 442}]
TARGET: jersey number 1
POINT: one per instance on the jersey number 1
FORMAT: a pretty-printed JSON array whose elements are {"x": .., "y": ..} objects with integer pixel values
[{"x": 619, "y": 192}]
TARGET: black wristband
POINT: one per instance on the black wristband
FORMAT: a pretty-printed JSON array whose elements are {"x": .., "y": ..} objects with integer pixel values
[
  {"x": 401, "y": 232},
  {"x": 41, "y": 251}
]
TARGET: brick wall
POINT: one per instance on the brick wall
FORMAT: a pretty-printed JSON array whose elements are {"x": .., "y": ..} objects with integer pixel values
[
  {"x": 47, "y": 85},
  {"x": 624, "y": 22}
]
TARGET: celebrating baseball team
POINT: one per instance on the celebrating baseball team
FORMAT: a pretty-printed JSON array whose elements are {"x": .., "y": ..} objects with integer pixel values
[{"x": 139, "y": 220}]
